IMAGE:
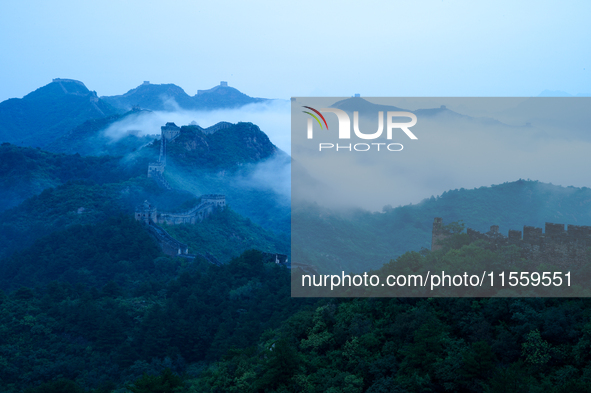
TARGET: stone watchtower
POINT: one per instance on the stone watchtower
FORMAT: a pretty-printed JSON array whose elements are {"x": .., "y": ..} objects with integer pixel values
[
  {"x": 146, "y": 213},
  {"x": 216, "y": 199},
  {"x": 170, "y": 131},
  {"x": 155, "y": 169}
]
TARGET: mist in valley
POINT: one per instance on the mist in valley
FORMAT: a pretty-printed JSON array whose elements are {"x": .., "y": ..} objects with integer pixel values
[{"x": 498, "y": 141}]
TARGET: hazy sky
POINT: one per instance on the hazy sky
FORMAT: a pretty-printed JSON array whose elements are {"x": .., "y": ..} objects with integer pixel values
[{"x": 278, "y": 49}]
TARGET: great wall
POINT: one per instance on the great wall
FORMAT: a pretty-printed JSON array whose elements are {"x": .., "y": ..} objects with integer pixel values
[
  {"x": 92, "y": 96},
  {"x": 148, "y": 214},
  {"x": 555, "y": 245}
]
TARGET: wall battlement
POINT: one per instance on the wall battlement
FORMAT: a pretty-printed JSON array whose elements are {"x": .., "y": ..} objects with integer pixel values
[
  {"x": 149, "y": 216},
  {"x": 216, "y": 127},
  {"x": 222, "y": 84},
  {"x": 58, "y": 80},
  {"x": 148, "y": 213},
  {"x": 552, "y": 232},
  {"x": 555, "y": 245},
  {"x": 218, "y": 200}
]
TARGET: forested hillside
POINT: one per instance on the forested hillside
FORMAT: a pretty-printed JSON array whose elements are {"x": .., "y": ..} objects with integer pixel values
[
  {"x": 25, "y": 172},
  {"x": 383, "y": 235},
  {"x": 157, "y": 313},
  {"x": 203, "y": 328}
]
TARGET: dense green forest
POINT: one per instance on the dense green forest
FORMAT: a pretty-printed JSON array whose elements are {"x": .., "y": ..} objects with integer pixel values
[
  {"x": 419, "y": 344},
  {"x": 227, "y": 234},
  {"x": 25, "y": 172},
  {"x": 76, "y": 202},
  {"x": 157, "y": 313},
  {"x": 198, "y": 327}
]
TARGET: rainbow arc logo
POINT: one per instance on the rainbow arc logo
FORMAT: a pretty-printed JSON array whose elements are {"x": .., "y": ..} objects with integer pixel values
[{"x": 314, "y": 116}]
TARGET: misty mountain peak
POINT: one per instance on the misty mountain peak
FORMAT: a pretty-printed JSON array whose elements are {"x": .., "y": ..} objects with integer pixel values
[
  {"x": 221, "y": 89},
  {"x": 58, "y": 88},
  {"x": 49, "y": 112},
  {"x": 150, "y": 88}
]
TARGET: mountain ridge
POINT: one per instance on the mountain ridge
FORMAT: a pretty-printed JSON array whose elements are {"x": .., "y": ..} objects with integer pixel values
[
  {"x": 49, "y": 112},
  {"x": 158, "y": 97},
  {"x": 45, "y": 115}
]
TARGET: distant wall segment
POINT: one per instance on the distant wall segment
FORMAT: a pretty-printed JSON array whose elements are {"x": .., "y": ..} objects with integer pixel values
[{"x": 555, "y": 244}]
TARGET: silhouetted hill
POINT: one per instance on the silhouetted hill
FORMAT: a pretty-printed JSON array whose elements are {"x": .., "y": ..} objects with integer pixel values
[
  {"x": 64, "y": 116},
  {"x": 153, "y": 97},
  {"x": 361, "y": 105},
  {"x": 366, "y": 108},
  {"x": 223, "y": 96},
  {"x": 49, "y": 112},
  {"x": 172, "y": 97}
]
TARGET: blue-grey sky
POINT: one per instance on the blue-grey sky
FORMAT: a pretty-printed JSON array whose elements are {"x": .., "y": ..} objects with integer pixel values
[{"x": 280, "y": 49}]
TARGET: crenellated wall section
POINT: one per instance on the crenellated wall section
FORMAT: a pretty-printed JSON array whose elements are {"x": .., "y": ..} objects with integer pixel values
[{"x": 555, "y": 244}]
